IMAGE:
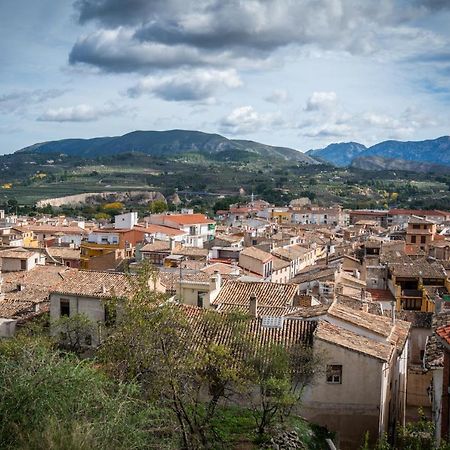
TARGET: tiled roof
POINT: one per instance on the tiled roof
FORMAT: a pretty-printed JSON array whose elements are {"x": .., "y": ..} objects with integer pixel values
[
  {"x": 291, "y": 253},
  {"x": 156, "y": 246},
  {"x": 292, "y": 331},
  {"x": 256, "y": 253},
  {"x": 54, "y": 229},
  {"x": 314, "y": 274},
  {"x": 95, "y": 284},
  {"x": 39, "y": 277},
  {"x": 380, "y": 325},
  {"x": 373, "y": 307},
  {"x": 35, "y": 286},
  {"x": 279, "y": 263},
  {"x": 191, "y": 251},
  {"x": 267, "y": 294},
  {"x": 15, "y": 309},
  {"x": 221, "y": 268},
  {"x": 171, "y": 279},
  {"x": 186, "y": 219},
  {"x": 153, "y": 229},
  {"x": 408, "y": 267},
  {"x": 352, "y": 341},
  {"x": 419, "y": 220},
  {"x": 381, "y": 295},
  {"x": 444, "y": 333},
  {"x": 417, "y": 319},
  {"x": 434, "y": 349},
  {"x": 16, "y": 253},
  {"x": 63, "y": 252},
  {"x": 417, "y": 212}
]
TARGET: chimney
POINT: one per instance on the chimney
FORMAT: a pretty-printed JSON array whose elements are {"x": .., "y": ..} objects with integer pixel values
[
  {"x": 172, "y": 243},
  {"x": 253, "y": 306},
  {"x": 215, "y": 281},
  {"x": 393, "y": 312},
  {"x": 20, "y": 287},
  {"x": 103, "y": 289},
  {"x": 438, "y": 304}
]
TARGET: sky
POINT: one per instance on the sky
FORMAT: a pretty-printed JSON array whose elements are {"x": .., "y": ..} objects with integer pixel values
[{"x": 295, "y": 73}]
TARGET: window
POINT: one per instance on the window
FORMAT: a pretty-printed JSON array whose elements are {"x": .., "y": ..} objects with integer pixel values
[
  {"x": 23, "y": 264},
  {"x": 416, "y": 227},
  {"x": 200, "y": 299},
  {"x": 412, "y": 304},
  {"x": 334, "y": 374},
  {"x": 413, "y": 239},
  {"x": 423, "y": 239},
  {"x": 64, "y": 307}
]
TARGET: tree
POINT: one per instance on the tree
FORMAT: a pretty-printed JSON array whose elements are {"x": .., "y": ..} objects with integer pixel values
[
  {"x": 158, "y": 206},
  {"x": 75, "y": 332},
  {"x": 179, "y": 357},
  {"x": 281, "y": 374}
]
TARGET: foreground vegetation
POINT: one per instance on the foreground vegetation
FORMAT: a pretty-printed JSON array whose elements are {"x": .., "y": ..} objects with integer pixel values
[{"x": 156, "y": 381}]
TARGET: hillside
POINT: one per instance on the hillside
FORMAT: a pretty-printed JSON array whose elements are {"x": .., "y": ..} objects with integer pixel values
[
  {"x": 379, "y": 163},
  {"x": 168, "y": 143},
  {"x": 340, "y": 155},
  {"x": 432, "y": 152}
]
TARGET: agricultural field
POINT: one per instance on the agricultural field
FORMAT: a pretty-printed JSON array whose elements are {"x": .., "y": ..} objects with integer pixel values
[{"x": 200, "y": 181}]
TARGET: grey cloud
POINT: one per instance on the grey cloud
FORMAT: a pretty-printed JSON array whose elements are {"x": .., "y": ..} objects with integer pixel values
[
  {"x": 161, "y": 34},
  {"x": 434, "y": 4},
  {"x": 186, "y": 86},
  {"x": 117, "y": 51},
  {"x": 19, "y": 100},
  {"x": 118, "y": 12}
]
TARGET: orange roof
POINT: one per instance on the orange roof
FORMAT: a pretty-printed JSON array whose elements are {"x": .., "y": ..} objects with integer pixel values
[
  {"x": 51, "y": 229},
  {"x": 380, "y": 295},
  {"x": 444, "y": 333}
]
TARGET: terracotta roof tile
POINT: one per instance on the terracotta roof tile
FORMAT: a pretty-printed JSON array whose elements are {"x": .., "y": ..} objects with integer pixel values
[
  {"x": 95, "y": 284},
  {"x": 352, "y": 341},
  {"x": 267, "y": 294}
]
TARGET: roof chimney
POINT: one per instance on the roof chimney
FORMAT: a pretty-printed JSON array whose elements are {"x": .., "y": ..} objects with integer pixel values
[
  {"x": 393, "y": 312},
  {"x": 253, "y": 305}
]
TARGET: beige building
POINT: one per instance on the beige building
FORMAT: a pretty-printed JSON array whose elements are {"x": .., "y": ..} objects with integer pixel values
[
  {"x": 256, "y": 261},
  {"x": 18, "y": 259}
]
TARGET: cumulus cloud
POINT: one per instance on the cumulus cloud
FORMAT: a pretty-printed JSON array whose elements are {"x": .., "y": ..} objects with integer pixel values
[
  {"x": 20, "y": 100},
  {"x": 320, "y": 101},
  {"x": 196, "y": 85},
  {"x": 325, "y": 117},
  {"x": 246, "y": 120},
  {"x": 78, "y": 113}
]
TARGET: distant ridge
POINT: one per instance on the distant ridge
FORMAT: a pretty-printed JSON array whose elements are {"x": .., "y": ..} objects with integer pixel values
[
  {"x": 168, "y": 143},
  {"x": 429, "y": 152}
]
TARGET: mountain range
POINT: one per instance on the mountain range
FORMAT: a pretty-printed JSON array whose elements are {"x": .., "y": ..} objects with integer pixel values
[
  {"x": 426, "y": 154},
  {"x": 417, "y": 156},
  {"x": 169, "y": 143}
]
